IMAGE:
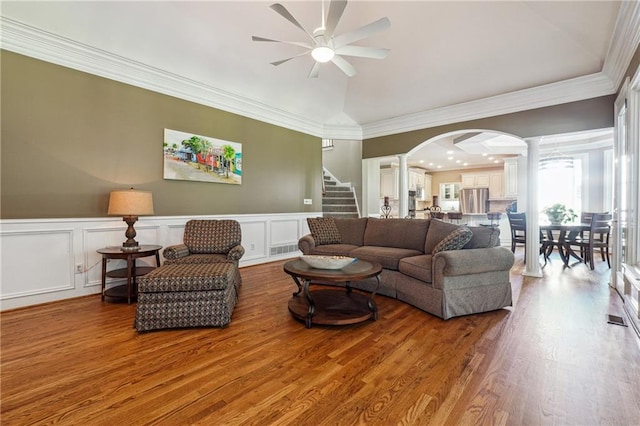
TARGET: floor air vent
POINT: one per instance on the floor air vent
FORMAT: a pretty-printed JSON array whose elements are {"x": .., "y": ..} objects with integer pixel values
[{"x": 616, "y": 320}]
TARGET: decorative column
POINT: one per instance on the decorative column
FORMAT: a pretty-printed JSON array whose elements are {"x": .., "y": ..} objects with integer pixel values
[
  {"x": 532, "y": 267},
  {"x": 403, "y": 190},
  {"x": 371, "y": 187}
]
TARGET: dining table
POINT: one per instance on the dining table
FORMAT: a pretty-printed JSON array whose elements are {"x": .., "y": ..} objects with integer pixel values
[{"x": 566, "y": 234}]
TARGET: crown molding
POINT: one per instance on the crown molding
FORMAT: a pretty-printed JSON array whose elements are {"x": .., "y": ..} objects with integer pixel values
[
  {"x": 344, "y": 132},
  {"x": 624, "y": 42},
  {"x": 36, "y": 43},
  {"x": 575, "y": 89},
  {"x": 33, "y": 42}
]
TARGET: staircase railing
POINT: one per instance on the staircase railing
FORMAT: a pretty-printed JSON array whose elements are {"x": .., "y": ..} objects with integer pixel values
[
  {"x": 324, "y": 189},
  {"x": 351, "y": 188}
]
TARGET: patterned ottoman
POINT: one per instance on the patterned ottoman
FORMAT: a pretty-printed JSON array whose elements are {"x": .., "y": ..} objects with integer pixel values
[{"x": 187, "y": 295}]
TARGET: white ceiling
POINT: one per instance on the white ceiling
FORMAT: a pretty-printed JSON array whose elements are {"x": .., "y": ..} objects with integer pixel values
[
  {"x": 489, "y": 149},
  {"x": 449, "y": 60}
]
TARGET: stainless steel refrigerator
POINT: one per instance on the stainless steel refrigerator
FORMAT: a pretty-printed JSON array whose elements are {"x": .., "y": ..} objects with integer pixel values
[{"x": 474, "y": 200}]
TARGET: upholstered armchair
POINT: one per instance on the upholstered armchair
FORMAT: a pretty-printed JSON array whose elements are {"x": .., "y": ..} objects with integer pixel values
[{"x": 207, "y": 241}]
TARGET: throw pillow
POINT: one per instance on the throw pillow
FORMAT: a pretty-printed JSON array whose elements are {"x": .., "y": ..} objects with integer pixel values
[
  {"x": 454, "y": 241},
  {"x": 324, "y": 230}
]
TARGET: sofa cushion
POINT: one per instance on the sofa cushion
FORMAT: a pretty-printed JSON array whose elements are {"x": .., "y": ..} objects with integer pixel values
[
  {"x": 324, "y": 230},
  {"x": 484, "y": 237},
  {"x": 418, "y": 267},
  {"x": 334, "y": 249},
  {"x": 399, "y": 233},
  {"x": 456, "y": 240},
  {"x": 438, "y": 230},
  {"x": 351, "y": 230},
  {"x": 388, "y": 257}
]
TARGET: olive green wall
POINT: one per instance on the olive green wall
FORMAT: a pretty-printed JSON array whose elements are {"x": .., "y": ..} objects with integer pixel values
[
  {"x": 596, "y": 113},
  {"x": 69, "y": 138}
]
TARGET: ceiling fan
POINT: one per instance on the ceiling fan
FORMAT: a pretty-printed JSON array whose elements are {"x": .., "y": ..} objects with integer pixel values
[{"x": 325, "y": 47}]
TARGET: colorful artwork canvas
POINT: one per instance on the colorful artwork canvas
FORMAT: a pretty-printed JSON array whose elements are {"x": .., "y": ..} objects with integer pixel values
[{"x": 201, "y": 158}]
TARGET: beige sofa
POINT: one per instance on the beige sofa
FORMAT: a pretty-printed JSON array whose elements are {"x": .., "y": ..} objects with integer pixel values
[{"x": 452, "y": 282}]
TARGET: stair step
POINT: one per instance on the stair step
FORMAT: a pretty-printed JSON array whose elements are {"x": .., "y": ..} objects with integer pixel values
[
  {"x": 340, "y": 208},
  {"x": 338, "y": 200},
  {"x": 338, "y": 194}
]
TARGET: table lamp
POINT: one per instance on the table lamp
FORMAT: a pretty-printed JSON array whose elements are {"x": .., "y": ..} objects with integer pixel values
[{"x": 130, "y": 204}]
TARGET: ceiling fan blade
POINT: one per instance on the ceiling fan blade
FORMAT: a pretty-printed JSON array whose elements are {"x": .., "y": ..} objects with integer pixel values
[
  {"x": 362, "y": 32},
  {"x": 294, "y": 43},
  {"x": 345, "y": 66},
  {"x": 363, "y": 52},
  {"x": 336, "y": 8},
  {"x": 315, "y": 70},
  {"x": 282, "y": 61},
  {"x": 282, "y": 11}
]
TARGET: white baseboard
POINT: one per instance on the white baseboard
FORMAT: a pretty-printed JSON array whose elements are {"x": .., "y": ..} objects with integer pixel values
[{"x": 40, "y": 257}]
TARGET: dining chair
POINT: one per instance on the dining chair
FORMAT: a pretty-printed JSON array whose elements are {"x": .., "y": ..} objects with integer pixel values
[
  {"x": 598, "y": 238},
  {"x": 585, "y": 217},
  {"x": 518, "y": 225}
]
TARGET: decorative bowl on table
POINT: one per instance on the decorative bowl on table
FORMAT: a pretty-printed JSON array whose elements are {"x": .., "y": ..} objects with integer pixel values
[{"x": 327, "y": 262}]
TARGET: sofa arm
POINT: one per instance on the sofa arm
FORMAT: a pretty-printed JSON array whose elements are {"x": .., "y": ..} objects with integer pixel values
[
  {"x": 471, "y": 261},
  {"x": 306, "y": 244},
  {"x": 176, "y": 251},
  {"x": 235, "y": 253}
]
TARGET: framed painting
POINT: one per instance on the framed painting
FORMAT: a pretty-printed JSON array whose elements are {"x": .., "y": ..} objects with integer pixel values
[{"x": 201, "y": 158}]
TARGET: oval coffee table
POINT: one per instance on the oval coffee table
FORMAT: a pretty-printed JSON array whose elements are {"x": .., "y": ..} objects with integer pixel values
[{"x": 332, "y": 306}]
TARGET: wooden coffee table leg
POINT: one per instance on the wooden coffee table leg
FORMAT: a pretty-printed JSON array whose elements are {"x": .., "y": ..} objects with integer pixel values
[
  {"x": 298, "y": 284},
  {"x": 312, "y": 307},
  {"x": 371, "y": 303}
]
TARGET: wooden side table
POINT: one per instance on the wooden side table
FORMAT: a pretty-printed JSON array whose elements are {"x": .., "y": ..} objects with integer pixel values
[{"x": 130, "y": 272}]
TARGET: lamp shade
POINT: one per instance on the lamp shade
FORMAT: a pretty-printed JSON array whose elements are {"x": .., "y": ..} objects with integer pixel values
[{"x": 130, "y": 203}]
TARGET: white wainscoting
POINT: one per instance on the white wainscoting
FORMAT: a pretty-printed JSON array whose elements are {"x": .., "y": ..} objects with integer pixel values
[{"x": 39, "y": 258}]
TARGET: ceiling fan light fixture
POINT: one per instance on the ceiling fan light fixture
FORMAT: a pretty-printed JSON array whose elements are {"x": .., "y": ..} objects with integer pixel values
[{"x": 322, "y": 54}]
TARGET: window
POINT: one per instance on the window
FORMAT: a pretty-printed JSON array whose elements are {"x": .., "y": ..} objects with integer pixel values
[
  {"x": 561, "y": 182},
  {"x": 327, "y": 144}
]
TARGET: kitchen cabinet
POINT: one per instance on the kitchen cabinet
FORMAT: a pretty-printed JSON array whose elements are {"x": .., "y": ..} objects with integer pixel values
[
  {"x": 416, "y": 179},
  {"x": 475, "y": 180},
  {"x": 492, "y": 180},
  {"x": 389, "y": 183},
  {"x": 496, "y": 185},
  {"x": 449, "y": 191},
  {"x": 421, "y": 183},
  {"x": 427, "y": 192},
  {"x": 511, "y": 177}
]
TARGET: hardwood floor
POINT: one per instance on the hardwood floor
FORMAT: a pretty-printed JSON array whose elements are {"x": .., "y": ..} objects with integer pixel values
[{"x": 552, "y": 359}]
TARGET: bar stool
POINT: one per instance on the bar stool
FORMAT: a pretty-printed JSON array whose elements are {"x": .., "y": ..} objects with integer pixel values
[
  {"x": 494, "y": 218},
  {"x": 454, "y": 217}
]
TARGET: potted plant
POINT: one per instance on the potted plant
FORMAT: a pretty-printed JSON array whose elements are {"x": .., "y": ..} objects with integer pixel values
[{"x": 559, "y": 213}]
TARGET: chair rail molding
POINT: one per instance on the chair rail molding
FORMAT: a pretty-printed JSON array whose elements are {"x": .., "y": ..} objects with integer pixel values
[{"x": 44, "y": 260}]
